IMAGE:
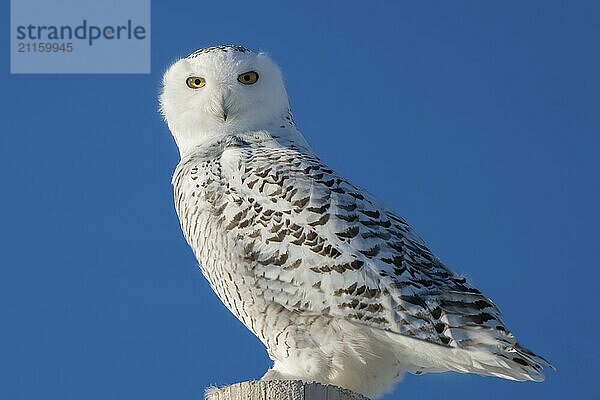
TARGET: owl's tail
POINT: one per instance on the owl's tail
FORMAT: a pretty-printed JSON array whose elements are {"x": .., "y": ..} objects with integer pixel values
[{"x": 512, "y": 362}]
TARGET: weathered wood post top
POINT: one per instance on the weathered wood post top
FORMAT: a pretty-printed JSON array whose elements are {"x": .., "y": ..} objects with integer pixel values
[{"x": 281, "y": 390}]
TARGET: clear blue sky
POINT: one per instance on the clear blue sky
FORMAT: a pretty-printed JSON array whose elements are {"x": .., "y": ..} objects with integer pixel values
[{"x": 478, "y": 122}]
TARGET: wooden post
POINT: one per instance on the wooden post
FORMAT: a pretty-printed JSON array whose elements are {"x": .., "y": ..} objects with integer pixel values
[{"x": 281, "y": 390}]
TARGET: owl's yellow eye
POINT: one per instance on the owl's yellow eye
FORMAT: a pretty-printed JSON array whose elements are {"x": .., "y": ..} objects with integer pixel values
[
  {"x": 195, "y": 82},
  {"x": 248, "y": 78}
]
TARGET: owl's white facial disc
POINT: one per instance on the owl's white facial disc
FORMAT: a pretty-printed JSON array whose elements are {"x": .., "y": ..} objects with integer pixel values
[{"x": 222, "y": 105}]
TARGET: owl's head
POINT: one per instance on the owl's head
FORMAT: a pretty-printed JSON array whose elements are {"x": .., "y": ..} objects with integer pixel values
[{"x": 220, "y": 90}]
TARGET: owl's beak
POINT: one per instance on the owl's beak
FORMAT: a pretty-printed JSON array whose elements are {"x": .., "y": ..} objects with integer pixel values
[
  {"x": 225, "y": 93},
  {"x": 220, "y": 104}
]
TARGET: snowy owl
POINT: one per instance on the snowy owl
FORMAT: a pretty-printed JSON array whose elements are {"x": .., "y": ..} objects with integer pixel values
[{"x": 338, "y": 287}]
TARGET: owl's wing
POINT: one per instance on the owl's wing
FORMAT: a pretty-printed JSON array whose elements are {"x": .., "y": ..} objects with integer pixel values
[{"x": 320, "y": 245}]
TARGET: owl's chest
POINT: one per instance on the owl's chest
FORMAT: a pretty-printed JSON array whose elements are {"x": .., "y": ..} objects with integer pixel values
[
  {"x": 200, "y": 199},
  {"x": 205, "y": 205}
]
